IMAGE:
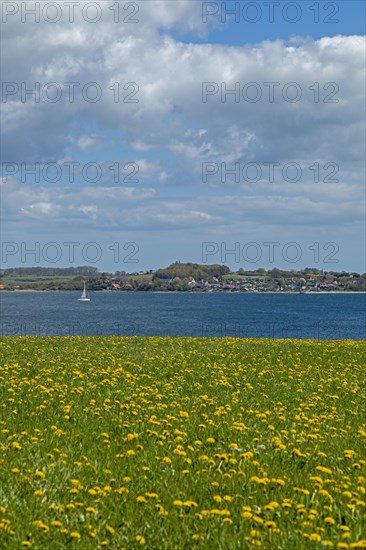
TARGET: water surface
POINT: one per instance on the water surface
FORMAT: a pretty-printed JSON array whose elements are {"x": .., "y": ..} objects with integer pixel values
[{"x": 321, "y": 316}]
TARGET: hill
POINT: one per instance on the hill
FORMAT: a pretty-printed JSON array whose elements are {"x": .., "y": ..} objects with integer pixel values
[{"x": 197, "y": 271}]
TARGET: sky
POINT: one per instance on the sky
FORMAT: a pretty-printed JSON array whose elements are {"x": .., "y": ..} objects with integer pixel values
[{"x": 139, "y": 133}]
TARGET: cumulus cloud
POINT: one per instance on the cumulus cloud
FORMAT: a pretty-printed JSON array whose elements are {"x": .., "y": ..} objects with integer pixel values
[{"x": 163, "y": 85}]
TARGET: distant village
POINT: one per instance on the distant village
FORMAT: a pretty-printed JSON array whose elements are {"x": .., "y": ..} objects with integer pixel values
[
  {"x": 183, "y": 277},
  {"x": 250, "y": 284}
]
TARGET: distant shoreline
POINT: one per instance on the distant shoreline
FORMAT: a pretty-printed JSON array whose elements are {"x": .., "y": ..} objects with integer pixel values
[{"x": 25, "y": 290}]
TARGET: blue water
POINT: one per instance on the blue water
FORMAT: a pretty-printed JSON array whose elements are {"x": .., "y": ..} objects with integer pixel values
[{"x": 320, "y": 316}]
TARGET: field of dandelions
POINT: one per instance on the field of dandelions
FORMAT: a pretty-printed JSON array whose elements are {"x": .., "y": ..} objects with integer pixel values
[{"x": 179, "y": 443}]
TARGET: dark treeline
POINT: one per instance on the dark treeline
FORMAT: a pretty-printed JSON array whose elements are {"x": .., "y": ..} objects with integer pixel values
[{"x": 86, "y": 270}]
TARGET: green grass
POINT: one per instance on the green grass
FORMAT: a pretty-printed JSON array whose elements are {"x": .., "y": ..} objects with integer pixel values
[
  {"x": 34, "y": 280},
  {"x": 143, "y": 278},
  {"x": 175, "y": 443}
]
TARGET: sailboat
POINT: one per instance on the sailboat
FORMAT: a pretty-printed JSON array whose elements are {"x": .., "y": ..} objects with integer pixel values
[{"x": 83, "y": 297}]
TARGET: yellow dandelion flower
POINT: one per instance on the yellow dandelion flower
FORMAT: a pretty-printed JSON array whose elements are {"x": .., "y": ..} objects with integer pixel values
[
  {"x": 190, "y": 503},
  {"x": 324, "y": 469},
  {"x": 270, "y": 524},
  {"x": 41, "y": 525},
  {"x": 278, "y": 481},
  {"x": 216, "y": 511},
  {"x": 258, "y": 519},
  {"x": 56, "y": 523},
  {"x": 330, "y": 520},
  {"x": 271, "y": 506},
  {"x": 130, "y": 437},
  {"x": 349, "y": 453}
]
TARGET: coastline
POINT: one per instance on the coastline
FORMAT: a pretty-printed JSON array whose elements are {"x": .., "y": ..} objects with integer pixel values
[{"x": 25, "y": 290}]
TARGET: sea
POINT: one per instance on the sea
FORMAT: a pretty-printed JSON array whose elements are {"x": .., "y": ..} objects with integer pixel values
[{"x": 208, "y": 314}]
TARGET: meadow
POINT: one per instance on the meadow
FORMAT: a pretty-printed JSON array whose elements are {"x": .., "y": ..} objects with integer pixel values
[{"x": 177, "y": 443}]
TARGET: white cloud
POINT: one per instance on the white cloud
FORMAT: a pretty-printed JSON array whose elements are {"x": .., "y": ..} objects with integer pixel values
[
  {"x": 137, "y": 207},
  {"x": 84, "y": 142},
  {"x": 168, "y": 78},
  {"x": 173, "y": 131}
]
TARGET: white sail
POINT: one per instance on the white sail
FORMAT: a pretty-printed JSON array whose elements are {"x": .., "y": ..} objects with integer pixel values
[{"x": 84, "y": 297}]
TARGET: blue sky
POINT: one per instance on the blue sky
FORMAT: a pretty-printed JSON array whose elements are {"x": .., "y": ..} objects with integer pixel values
[
  {"x": 272, "y": 20},
  {"x": 235, "y": 139}
]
